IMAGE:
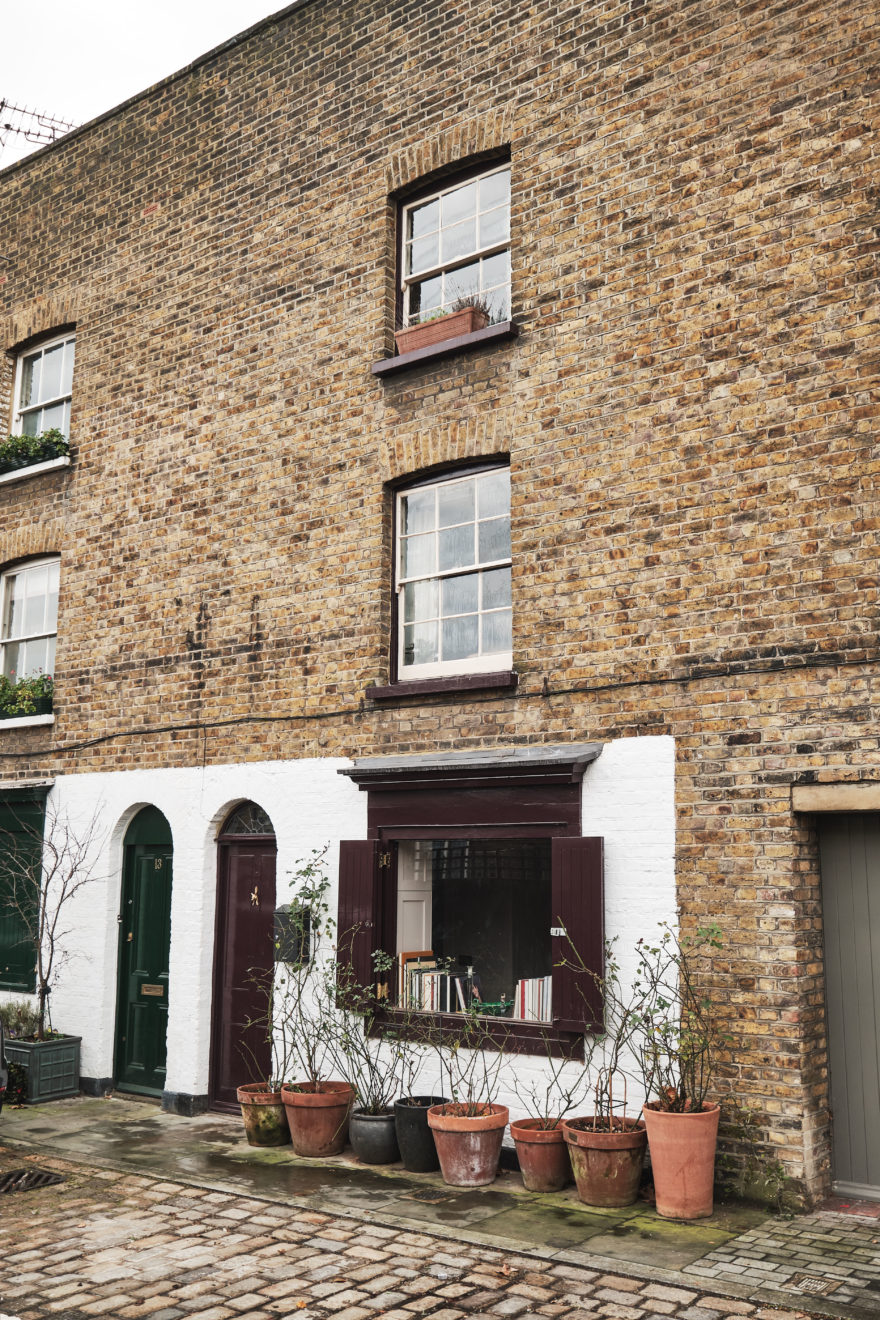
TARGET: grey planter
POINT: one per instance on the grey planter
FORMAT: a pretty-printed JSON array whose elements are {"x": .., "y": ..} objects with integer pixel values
[{"x": 52, "y": 1066}]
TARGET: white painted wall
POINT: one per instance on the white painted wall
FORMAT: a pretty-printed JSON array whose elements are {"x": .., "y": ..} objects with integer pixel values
[{"x": 628, "y": 797}]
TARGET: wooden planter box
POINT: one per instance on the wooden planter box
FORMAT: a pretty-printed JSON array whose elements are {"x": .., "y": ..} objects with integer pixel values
[
  {"x": 440, "y": 329},
  {"x": 52, "y": 1066},
  {"x": 42, "y": 706}
]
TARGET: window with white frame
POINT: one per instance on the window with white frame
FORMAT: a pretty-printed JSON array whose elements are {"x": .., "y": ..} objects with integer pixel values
[
  {"x": 453, "y": 575},
  {"x": 456, "y": 246},
  {"x": 29, "y": 619},
  {"x": 43, "y": 388}
]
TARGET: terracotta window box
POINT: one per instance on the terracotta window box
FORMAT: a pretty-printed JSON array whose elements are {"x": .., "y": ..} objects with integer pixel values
[{"x": 441, "y": 328}]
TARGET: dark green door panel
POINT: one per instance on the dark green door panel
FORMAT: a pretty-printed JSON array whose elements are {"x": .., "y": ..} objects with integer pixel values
[{"x": 145, "y": 937}]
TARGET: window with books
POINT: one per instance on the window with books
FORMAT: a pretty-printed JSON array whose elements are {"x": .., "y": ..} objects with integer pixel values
[{"x": 482, "y": 889}]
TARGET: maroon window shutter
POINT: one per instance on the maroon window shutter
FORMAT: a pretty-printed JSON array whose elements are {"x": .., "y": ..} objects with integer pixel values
[
  {"x": 356, "y": 927},
  {"x": 578, "y": 909}
]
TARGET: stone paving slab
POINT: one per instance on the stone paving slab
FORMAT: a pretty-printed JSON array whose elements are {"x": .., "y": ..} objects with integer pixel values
[{"x": 744, "y": 1257}]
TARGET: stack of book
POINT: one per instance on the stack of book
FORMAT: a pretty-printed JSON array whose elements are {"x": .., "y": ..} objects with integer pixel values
[
  {"x": 423, "y": 986},
  {"x": 532, "y": 1001}
]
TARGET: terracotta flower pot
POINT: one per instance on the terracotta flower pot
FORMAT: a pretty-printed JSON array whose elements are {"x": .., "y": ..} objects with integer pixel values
[
  {"x": 607, "y": 1164},
  {"x": 440, "y": 328},
  {"x": 542, "y": 1154},
  {"x": 683, "y": 1160},
  {"x": 468, "y": 1148},
  {"x": 265, "y": 1121},
  {"x": 317, "y": 1114}
]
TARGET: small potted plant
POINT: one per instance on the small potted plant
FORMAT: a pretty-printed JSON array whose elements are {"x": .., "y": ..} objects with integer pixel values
[
  {"x": 469, "y": 1127},
  {"x": 539, "y": 1138},
  {"x": 678, "y": 1040},
  {"x": 463, "y": 317}
]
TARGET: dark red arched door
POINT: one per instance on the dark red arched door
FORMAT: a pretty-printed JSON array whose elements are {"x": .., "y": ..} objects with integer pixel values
[{"x": 244, "y": 954}]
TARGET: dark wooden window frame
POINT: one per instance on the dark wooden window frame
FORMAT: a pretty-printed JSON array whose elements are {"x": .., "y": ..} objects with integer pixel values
[
  {"x": 22, "y": 818},
  {"x": 460, "y": 799}
]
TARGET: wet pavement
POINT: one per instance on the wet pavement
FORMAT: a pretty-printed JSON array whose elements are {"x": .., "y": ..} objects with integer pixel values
[{"x": 827, "y": 1263}]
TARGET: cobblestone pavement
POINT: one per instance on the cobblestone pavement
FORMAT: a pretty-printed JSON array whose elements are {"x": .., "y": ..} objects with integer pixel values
[
  {"x": 837, "y": 1252},
  {"x": 108, "y": 1243}
]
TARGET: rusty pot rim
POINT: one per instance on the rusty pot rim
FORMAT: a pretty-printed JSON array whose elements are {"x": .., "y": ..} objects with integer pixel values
[
  {"x": 257, "y": 1093},
  {"x": 527, "y": 1131},
  {"x": 493, "y": 1117}
]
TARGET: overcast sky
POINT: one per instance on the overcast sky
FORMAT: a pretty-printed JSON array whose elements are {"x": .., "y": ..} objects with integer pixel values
[{"x": 73, "y": 59}]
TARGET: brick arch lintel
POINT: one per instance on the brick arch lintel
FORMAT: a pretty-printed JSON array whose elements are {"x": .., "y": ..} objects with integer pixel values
[
  {"x": 454, "y": 142},
  {"x": 451, "y": 441},
  {"x": 38, "y": 318},
  {"x": 29, "y": 543}
]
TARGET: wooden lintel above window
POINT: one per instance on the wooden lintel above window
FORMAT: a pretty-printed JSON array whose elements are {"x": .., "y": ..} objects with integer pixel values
[{"x": 535, "y": 764}]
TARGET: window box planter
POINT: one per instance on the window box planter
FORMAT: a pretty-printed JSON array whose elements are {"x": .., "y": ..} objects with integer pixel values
[
  {"x": 41, "y": 706},
  {"x": 437, "y": 331},
  {"x": 52, "y": 1066}
]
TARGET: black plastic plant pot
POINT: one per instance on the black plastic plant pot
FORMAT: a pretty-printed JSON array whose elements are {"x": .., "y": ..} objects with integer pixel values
[
  {"x": 373, "y": 1138},
  {"x": 414, "y": 1137}
]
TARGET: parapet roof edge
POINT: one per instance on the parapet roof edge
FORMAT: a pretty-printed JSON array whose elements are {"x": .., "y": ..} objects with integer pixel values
[{"x": 229, "y": 44}]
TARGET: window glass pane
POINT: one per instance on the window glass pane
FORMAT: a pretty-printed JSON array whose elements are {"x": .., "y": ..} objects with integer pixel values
[
  {"x": 420, "y": 643},
  {"x": 455, "y": 503},
  {"x": 460, "y": 595},
  {"x": 67, "y": 373},
  {"x": 456, "y": 547},
  {"x": 494, "y": 540},
  {"x": 462, "y": 283},
  {"x": 460, "y": 637},
  {"x": 424, "y": 219},
  {"x": 50, "y": 385},
  {"x": 496, "y": 269},
  {"x": 459, "y": 240},
  {"x": 497, "y": 632},
  {"x": 52, "y": 601},
  {"x": 417, "y": 557},
  {"x": 30, "y": 381},
  {"x": 418, "y": 511},
  {"x": 54, "y": 417},
  {"x": 14, "y": 621},
  {"x": 485, "y": 915},
  {"x": 49, "y": 666},
  {"x": 423, "y": 253},
  {"x": 425, "y": 296},
  {"x": 30, "y": 423},
  {"x": 495, "y": 190},
  {"x": 10, "y": 659},
  {"x": 493, "y": 493},
  {"x": 420, "y": 600},
  {"x": 496, "y": 588},
  {"x": 36, "y": 590},
  {"x": 494, "y": 227},
  {"x": 459, "y": 203}
]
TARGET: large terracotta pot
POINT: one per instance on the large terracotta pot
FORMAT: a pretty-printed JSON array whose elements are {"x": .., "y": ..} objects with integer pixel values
[
  {"x": 468, "y": 1147},
  {"x": 262, "y": 1110},
  {"x": 317, "y": 1114},
  {"x": 542, "y": 1154},
  {"x": 683, "y": 1160},
  {"x": 607, "y": 1164}
]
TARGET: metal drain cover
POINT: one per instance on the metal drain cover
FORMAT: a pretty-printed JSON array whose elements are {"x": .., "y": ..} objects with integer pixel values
[
  {"x": 23, "y": 1180},
  {"x": 812, "y": 1283},
  {"x": 430, "y": 1197}
]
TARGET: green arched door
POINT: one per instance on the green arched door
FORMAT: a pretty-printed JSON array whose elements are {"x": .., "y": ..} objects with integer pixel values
[{"x": 144, "y": 945}]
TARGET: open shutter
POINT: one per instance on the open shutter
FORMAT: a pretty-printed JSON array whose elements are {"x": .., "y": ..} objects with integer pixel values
[
  {"x": 578, "y": 911},
  {"x": 21, "y": 835},
  {"x": 357, "y": 924}
]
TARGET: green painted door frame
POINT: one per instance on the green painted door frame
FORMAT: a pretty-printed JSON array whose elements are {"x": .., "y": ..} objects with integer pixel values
[{"x": 144, "y": 947}]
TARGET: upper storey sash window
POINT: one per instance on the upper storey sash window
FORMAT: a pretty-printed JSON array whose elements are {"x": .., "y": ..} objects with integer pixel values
[{"x": 43, "y": 388}]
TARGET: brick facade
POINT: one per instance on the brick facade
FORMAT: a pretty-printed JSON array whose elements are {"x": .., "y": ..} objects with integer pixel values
[{"x": 689, "y": 410}]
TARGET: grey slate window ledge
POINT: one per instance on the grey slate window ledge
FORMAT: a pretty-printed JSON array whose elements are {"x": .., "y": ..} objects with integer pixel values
[
  {"x": 490, "y": 334},
  {"x": 425, "y": 687}
]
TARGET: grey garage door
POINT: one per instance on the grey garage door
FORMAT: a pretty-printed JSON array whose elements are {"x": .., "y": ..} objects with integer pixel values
[{"x": 850, "y": 859}]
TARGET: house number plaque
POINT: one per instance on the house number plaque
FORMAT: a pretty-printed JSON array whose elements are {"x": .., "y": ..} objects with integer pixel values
[{"x": 155, "y": 990}]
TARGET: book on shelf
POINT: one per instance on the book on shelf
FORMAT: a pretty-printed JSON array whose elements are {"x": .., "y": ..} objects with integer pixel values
[
  {"x": 533, "y": 999},
  {"x": 426, "y": 987}
]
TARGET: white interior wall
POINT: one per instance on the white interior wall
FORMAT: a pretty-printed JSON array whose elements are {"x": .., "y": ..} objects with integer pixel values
[{"x": 628, "y": 798}]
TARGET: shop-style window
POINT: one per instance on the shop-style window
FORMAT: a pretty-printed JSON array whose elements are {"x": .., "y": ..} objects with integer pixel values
[
  {"x": 44, "y": 388},
  {"x": 478, "y": 883},
  {"x": 453, "y": 583}
]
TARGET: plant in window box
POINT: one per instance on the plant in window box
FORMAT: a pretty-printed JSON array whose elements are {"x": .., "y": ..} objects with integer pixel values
[
  {"x": 464, "y": 317},
  {"x": 21, "y": 451},
  {"x": 25, "y": 696},
  {"x": 678, "y": 1040},
  {"x": 469, "y": 1127}
]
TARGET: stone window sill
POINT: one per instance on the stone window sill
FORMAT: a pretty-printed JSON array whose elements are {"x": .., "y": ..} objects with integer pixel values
[
  {"x": 424, "y": 687},
  {"x": 26, "y": 722},
  {"x": 490, "y": 334},
  {"x": 34, "y": 470}
]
